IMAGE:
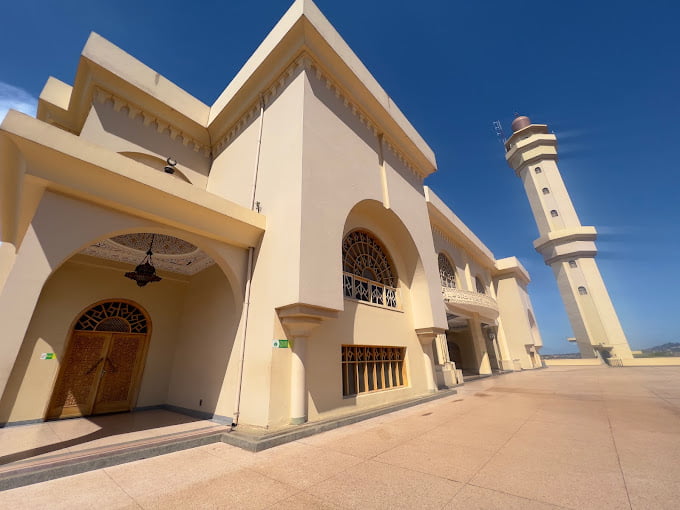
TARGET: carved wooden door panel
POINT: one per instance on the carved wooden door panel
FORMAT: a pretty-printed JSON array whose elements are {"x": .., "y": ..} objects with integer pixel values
[
  {"x": 82, "y": 367},
  {"x": 121, "y": 370}
]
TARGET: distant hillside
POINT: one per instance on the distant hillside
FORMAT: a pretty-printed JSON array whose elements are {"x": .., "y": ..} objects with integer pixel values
[{"x": 667, "y": 349}]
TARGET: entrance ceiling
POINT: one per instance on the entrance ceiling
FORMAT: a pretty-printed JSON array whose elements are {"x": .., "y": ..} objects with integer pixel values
[{"x": 169, "y": 253}]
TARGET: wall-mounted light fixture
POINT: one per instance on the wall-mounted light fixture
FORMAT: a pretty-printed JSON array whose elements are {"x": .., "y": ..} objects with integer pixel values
[{"x": 170, "y": 167}]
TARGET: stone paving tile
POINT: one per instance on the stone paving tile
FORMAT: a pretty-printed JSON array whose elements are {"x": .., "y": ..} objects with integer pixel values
[
  {"x": 453, "y": 462},
  {"x": 471, "y": 497},
  {"x": 547, "y": 480},
  {"x": 374, "y": 485},
  {"x": 487, "y": 435},
  {"x": 240, "y": 488},
  {"x": 368, "y": 443},
  {"x": 301, "y": 465},
  {"x": 568, "y": 437},
  {"x": 651, "y": 492},
  {"x": 93, "y": 490},
  {"x": 171, "y": 472},
  {"x": 303, "y": 501}
]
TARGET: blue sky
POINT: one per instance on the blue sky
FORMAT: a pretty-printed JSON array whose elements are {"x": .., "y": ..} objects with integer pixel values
[{"x": 605, "y": 76}]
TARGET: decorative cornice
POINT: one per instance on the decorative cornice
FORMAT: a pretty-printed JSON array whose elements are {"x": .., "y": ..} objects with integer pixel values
[
  {"x": 133, "y": 111},
  {"x": 304, "y": 61}
]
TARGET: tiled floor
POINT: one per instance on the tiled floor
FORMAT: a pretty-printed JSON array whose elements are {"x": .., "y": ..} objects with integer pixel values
[
  {"x": 52, "y": 438},
  {"x": 562, "y": 437}
]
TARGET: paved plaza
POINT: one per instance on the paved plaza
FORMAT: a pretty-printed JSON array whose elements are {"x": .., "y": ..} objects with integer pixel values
[{"x": 567, "y": 437}]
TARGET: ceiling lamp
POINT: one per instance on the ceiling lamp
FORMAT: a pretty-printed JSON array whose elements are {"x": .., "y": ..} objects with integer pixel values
[{"x": 145, "y": 272}]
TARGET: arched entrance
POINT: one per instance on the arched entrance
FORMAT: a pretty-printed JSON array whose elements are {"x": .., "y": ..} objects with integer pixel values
[{"x": 102, "y": 367}]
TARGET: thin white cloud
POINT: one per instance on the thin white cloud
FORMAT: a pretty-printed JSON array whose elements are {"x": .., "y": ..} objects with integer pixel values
[{"x": 14, "y": 98}]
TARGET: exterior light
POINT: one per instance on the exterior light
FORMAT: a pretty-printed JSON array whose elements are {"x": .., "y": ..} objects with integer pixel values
[
  {"x": 170, "y": 167},
  {"x": 145, "y": 272}
]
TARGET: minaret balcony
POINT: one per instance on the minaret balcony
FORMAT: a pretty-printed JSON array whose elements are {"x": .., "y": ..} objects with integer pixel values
[{"x": 466, "y": 302}]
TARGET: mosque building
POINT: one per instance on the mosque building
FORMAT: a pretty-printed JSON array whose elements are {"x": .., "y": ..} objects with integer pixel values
[{"x": 271, "y": 259}]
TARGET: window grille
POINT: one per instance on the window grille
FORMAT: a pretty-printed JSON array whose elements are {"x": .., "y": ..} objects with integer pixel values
[
  {"x": 367, "y": 271},
  {"x": 367, "y": 368},
  {"x": 113, "y": 316},
  {"x": 447, "y": 275}
]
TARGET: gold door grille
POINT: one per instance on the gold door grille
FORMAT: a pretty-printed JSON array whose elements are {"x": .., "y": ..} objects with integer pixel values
[{"x": 367, "y": 368}]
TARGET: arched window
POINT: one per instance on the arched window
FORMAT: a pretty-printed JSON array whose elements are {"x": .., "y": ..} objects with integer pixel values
[
  {"x": 118, "y": 316},
  {"x": 546, "y": 191},
  {"x": 480, "y": 286},
  {"x": 368, "y": 273},
  {"x": 582, "y": 291},
  {"x": 447, "y": 274}
]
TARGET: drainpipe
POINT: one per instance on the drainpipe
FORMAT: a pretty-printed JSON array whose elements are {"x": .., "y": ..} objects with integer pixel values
[{"x": 249, "y": 277}]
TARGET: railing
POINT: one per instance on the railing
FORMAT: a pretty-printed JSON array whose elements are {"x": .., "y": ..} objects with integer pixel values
[
  {"x": 363, "y": 289},
  {"x": 471, "y": 300}
]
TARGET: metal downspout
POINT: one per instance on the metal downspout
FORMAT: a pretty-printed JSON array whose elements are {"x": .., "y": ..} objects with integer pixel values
[{"x": 249, "y": 277}]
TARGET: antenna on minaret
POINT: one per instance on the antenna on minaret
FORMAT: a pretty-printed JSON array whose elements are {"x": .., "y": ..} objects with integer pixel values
[{"x": 499, "y": 131}]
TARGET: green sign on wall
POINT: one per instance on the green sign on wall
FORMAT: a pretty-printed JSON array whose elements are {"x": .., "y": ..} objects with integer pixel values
[{"x": 281, "y": 344}]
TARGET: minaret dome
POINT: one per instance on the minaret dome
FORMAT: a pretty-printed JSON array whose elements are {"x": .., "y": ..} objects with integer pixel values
[{"x": 520, "y": 122}]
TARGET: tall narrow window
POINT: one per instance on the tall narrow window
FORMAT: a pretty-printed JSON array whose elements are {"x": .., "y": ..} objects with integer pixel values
[
  {"x": 447, "y": 274},
  {"x": 368, "y": 273},
  {"x": 480, "y": 286}
]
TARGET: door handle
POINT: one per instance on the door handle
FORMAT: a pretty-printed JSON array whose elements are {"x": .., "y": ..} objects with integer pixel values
[
  {"x": 94, "y": 366},
  {"x": 113, "y": 367}
]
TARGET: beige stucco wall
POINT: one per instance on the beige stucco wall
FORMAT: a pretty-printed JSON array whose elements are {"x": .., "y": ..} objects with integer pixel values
[
  {"x": 115, "y": 130},
  {"x": 513, "y": 305},
  {"x": 47, "y": 245},
  {"x": 72, "y": 289},
  {"x": 206, "y": 355},
  {"x": 341, "y": 168}
]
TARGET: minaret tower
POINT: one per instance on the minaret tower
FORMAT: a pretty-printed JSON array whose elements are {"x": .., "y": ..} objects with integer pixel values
[{"x": 567, "y": 246}]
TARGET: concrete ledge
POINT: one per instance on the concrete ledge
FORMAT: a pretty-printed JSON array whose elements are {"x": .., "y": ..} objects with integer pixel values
[
  {"x": 587, "y": 362},
  {"x": 253, "y": 441},
  {"x": 30, "y": 471},
  {"x": 652, "y": 362},
  {"x": 46, "y": 468}
]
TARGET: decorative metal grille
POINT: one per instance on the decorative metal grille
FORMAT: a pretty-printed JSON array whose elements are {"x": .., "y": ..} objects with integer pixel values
[
  {"x": 116, "y": 324},
  {"x": 372, "y": 368},
  {"x": 103, "y": 315},
  {"x": 362, "y": 255},
  {"x": 447, "y": 275},
  {"x": 367, "y": 271}
]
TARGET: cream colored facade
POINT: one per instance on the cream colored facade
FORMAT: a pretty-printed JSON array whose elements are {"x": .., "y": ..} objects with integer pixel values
[
  {"x": 300, "y": 166},
  {"x": 567, "y": 246}
]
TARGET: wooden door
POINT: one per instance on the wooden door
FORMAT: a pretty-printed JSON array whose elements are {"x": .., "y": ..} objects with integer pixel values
[
  {"x": 102, "y": 367},
  {"x": 81, "y": 370},
  {"x": 120, "y": 373}
]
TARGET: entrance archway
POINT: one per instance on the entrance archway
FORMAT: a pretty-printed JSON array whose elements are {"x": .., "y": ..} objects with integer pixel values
[{"x": 104, "y": 360}]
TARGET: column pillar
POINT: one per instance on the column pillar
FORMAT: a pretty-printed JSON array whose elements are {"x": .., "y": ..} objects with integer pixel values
[
  {"x": 480, "y": 345},
  {"x": 298, "y": 381},
  {"x": 427, "y": 337},
  {"x": 298, "y": 321}
]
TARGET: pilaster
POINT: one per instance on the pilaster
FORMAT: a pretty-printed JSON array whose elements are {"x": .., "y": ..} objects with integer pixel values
[{"x": 299, "y": 320}]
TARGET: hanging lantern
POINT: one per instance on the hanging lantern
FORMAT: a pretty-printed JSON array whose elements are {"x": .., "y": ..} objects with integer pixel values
[{"x": 145, "y": 272}]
